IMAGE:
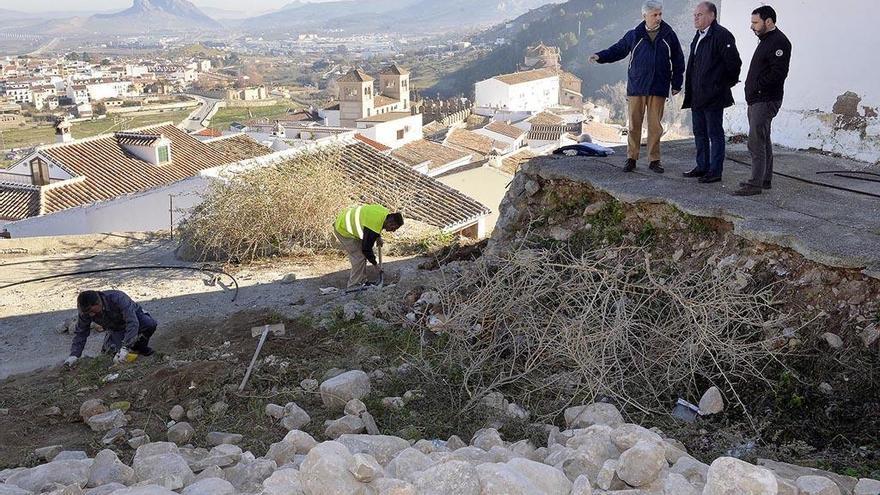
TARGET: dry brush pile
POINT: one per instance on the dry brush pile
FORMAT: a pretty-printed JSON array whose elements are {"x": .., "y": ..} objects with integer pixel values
[
  {"x": 278, "y": 209},
  {"x": 550, "y": 328}
]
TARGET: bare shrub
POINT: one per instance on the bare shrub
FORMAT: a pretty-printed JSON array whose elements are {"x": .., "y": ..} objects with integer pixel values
[
  {"x": 277, "y": 209},
  {"x": 550, "y": 328}
]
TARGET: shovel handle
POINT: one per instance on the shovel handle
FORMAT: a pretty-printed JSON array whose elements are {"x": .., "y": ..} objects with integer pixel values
[{"x": 254, "y": 359}]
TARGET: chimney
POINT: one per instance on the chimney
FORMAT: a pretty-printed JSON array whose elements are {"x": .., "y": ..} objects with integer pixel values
[
  {"x": 39, "y": 172},
  {"x": 62, "y": 131}
]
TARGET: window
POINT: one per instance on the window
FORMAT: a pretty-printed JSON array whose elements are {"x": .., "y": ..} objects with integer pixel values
[
  {"x": 163, "y": 154},
  {"x": 400, "y": 134}
]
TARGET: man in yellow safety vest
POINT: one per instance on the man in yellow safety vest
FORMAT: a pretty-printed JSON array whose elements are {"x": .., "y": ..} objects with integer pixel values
[{"x": 358, "y": 229}]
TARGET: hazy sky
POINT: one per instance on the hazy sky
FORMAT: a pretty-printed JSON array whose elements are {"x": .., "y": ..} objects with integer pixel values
[{"x": 72, "y": 5}]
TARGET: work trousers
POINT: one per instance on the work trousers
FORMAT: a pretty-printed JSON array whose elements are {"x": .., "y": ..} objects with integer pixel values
[
  {"x": 761, "y": 116},
  {"x": 352, "y": 248},
  {"x": 639, "y": 107},
  {"x": 146, "y": 328},
  {"x": 709, "y": 139}
]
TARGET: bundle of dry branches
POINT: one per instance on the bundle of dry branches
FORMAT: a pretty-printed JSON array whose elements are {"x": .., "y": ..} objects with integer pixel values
[
  {"x": 550, "y": 328},
  {"x": 277, "y": 209}
]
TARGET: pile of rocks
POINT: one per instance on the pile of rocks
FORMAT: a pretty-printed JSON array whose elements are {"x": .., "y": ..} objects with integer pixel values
[{"x": 597, "y": 453}]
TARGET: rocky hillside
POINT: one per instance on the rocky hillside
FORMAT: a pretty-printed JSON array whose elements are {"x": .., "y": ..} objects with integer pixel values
[
  {"x": 578, "y": 27},
  {"x": 153, "y": 15}
]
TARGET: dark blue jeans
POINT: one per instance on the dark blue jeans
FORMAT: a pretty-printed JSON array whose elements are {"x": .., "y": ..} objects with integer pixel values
[
  {"x": 146, "y": 327},
  {"x": 709, "y": 138}
]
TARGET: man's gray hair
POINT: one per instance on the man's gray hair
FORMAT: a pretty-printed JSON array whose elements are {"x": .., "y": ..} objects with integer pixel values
[{"x": 651, "y": 6}]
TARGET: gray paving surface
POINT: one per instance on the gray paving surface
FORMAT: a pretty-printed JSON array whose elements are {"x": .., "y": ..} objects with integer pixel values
[{"x": 830, "y": 226}]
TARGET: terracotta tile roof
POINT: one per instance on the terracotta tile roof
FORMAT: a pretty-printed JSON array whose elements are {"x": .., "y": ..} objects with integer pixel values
[
  {"x": 334, "y": 106},
  {"x": 545, "y": 118},
  {"x": 513, "y": 162},
  {"x": 106, "y": 169},
  {"x": 470, "y": 141},
  {"x": 603, "y": 132},
  {"x": 526, "y": 76},
  {"x": 382, "y": 100},
  {"x": 238, "y": 147},
  {"x": 18, "y": 201},
  {"x": 385, "y": 117},
  {"x": 505, "y": 129},
  {"x": 546, "y": 132},
  {"x": 376, "y": 145},
  {"x": 432, "y": 128},
  {"x": 356, "y": 75},
  {"x": 568, "y": 76},
  {"x": 421, "y": 151},
  {"x": 384, "y": 180},
  {"x": 394, "y": 70},
  {"x": 208, "y": 132}
]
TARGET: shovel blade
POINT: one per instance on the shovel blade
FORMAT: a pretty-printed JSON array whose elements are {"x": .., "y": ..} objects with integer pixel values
[{"x": 276, "y": 329}]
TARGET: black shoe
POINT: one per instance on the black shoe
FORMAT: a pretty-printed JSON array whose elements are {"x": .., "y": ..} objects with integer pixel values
[
  {"x": 765, "y": 185},
  {"x": 694, "y": 173},
  {"x": 143, "y": 351},
  {"x": 656, "y": 167},
  {"x": 709, "y": 179},
  {"x": 630, "y": 165},
  {"x": 748, "y": 190}
]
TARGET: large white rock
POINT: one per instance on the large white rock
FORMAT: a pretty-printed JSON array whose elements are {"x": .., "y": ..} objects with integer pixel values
[
  {"x": 209, "y": 486},
  {"x": 676, "y": 484},
  {"x": 693, "y": 470},
  {"x": 406, "y": 463},
  {"x": 61, "y": 472},
  {"x": 303, "y": 441},
  {"x": 181, "y": 433},
  {"x": 501, "y": 479},
  {"x": 816, "y": 485},
  {"x": 92, "y": 407},
  {"x": 730, "y": 476},
  {"x": 107, "y": 421},
  {"x": 248, "y": 475},
  {"x": 383, "y": 447},
  {"x": 340, "y": 389},
  {"x": 154, "y": 448},
  {"x": 641, "y": 464},
  {"x": 867, "y": 486},
  {"x": 596, "y": 443},
  {"x": 452, "y": 477},
  {"x": 472, "y": 455},
  {"x": 103, "y": 489},
  {"x": 295, "y": 417},
  {"x": 281, "y": 452},
  {"x": 145, "y": 490},
  {"x": 346, "y": 425},
  {"x": 607, "y": 478},
  {"x": 599, "y": 413},
  {"x": 12, "y": 490},
  {"x": 107, "y": 468},
  {"x": 391, "y": 486},
  {"x": 325, "y": 471},
  {"x": 546, "y": 478},
  {"x": 169, "y": 470},
  {"x": 581, "y": 486},
  {"x": 365, "y": 468},
  {"x": 627, "y": 435},
  {"x": 283, "y": 482},
  {"x": 487, "y": 438},
  {"x": 711, "y": 402}
]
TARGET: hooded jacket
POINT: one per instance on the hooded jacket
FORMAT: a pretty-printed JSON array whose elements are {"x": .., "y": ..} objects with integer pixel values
[{"x": 654, "y": 66}]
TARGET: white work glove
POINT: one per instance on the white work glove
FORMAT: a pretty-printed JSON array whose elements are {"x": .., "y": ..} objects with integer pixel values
[
  {"x": 70, "y": 362},
  {"x": 121, "y": 355}
]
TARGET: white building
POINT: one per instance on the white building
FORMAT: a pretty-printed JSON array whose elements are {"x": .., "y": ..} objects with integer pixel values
[
  {"x": 393, "y": 129},
  {"x": 108, "y": 89},
  {"x": 528, "y": 91},
  {"x": 503, "y": 132},
  {"x": 19, "y": 92},
  {"x": 823, "y": 67}
]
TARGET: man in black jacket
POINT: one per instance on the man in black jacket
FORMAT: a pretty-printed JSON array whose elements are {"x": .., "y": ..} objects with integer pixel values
[
  {"x": 764, "y": 91},
  {"x": 713, "y": 68},
  {"x": 128, "y": 326}
]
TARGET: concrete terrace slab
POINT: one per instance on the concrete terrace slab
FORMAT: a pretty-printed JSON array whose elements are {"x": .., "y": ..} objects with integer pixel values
[{"x": 831, "y": 226}]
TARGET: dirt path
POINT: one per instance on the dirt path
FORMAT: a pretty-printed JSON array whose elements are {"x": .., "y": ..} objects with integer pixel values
[{"x": 31, "y": 314}]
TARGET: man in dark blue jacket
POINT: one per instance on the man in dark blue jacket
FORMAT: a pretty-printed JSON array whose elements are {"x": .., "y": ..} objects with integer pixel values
[
  {"x": 128, "y": 327},
  {"x": 713, "y": 68},
  {"x": 656, "y": 64}
]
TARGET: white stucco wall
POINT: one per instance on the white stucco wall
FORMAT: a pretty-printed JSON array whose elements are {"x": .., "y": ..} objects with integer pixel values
[
  {"x": 834, "y": 50},
  {"x": 532, "y": 96},
  {"x": 148, "y": 211},
  {"x": 386, "y": 132}
]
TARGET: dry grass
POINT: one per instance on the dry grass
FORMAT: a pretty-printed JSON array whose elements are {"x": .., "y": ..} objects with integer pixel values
[
  {"x": 550, "y": 329},
  {"x": 281, "y": 209}
]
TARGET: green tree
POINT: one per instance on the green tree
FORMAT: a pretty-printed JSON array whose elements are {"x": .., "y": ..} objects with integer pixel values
[{"x": 567, "y": 40}]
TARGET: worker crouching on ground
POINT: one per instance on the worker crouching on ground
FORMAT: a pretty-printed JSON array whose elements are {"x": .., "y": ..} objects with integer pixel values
[
  {"x": 358, "y": 229},
  {"x": 128, "y": 326}
]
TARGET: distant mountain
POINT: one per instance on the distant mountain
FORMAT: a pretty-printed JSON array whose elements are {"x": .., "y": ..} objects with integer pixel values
[
  {"x": 154, "y": 15},
  {"x": 579, "y": 27},
  {"x": 396, "y": 15}
]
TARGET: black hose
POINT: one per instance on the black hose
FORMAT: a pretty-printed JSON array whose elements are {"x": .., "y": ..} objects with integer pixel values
[
  {"x": 116, "y": 269},
  {"x": 812, "y": 182},
  {"x": 846, "y": 172}
]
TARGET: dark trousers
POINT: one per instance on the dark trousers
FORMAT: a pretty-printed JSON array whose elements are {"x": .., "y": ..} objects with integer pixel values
[
  {"x": 709, "y": 138},
  {"x": 146, "y": 328},
  {"x": 760, "y": 145}
]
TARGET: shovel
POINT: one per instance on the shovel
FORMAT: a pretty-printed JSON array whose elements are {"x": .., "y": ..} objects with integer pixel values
[{"x": 263, "y": 332}]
